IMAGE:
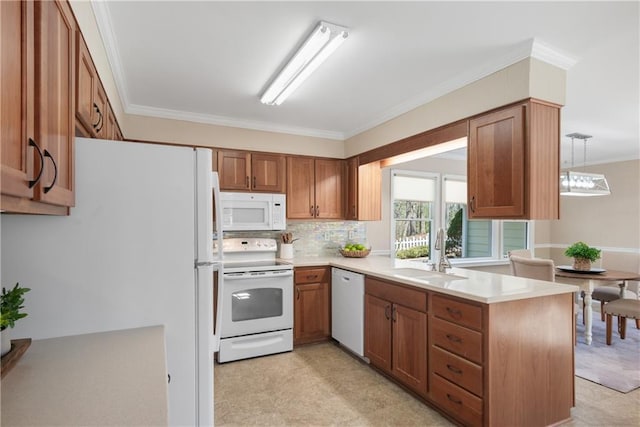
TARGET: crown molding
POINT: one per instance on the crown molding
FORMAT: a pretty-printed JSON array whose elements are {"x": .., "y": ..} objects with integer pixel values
[{"x": 143, "y": 110}]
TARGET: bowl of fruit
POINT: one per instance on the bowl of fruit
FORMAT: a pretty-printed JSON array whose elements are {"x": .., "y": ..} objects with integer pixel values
[{"x": 355, "y": 250}]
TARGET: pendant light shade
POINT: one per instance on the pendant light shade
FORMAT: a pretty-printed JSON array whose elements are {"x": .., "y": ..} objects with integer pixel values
[{"x": 575, "y": 183}]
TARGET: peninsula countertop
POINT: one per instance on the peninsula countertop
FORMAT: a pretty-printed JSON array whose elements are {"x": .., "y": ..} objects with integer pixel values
[
  {"x": 461, "y": 282},
  {"x": 107, "y": 378}
]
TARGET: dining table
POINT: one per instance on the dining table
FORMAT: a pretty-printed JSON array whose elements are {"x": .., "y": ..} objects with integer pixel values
[{"x": 587, "y": 281}]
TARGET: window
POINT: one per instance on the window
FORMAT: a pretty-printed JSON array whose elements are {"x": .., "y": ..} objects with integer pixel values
[
  {"x": 413, "y": 208},
  {"x": 423, "y": 202}
]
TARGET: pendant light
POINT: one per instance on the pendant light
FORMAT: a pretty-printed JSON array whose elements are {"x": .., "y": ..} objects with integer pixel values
[{"x": 574, "y": 183}]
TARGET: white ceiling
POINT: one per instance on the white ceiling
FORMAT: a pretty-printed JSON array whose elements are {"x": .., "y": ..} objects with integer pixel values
[{"x": 210, "y": 61}]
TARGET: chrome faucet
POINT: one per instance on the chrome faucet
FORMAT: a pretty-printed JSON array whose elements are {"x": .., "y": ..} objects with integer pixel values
[{"x": 443, "y": 262}]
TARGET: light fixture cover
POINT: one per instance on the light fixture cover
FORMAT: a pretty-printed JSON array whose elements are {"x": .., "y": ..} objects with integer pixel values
[
  {"x": 583, "y": 184},
  {"x": 322, "y": 42}
]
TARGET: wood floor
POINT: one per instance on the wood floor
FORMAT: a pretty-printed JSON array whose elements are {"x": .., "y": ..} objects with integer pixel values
[{"x": 320, "y": 385}]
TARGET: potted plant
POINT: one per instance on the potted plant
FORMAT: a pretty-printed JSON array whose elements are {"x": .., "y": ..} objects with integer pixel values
[
  {"x": 11, "y": 302},
  {"x": 583, "y": 255}
]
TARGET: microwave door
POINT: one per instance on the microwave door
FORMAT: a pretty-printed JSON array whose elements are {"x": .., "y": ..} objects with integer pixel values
[{"x": 247, "y": 216}]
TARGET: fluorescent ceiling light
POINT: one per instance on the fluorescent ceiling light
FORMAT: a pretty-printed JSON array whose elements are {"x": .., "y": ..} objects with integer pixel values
[{"x": 322, "y": 42}]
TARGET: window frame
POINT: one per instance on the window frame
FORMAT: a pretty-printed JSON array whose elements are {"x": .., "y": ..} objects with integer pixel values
[{"x": 439, "y": 213}]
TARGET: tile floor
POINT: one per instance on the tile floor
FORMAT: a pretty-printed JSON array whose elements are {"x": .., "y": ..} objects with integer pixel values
[{"x": 319, "y": 385}]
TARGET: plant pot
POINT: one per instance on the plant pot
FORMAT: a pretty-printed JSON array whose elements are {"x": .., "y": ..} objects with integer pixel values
[
  {"x": 582, "y": 264},
  {"x": 5, "y": 337}
]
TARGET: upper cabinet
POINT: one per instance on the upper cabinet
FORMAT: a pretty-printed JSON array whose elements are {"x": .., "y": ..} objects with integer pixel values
[
  {"x": 514, "y": 162},
  {"x": 245, "y": 171},
  {"x": 37, "y": 125},
  {"x": 315, "y": 188},
  {"x": 94, "y": 116},
  {"x": 364, "y": 191}
]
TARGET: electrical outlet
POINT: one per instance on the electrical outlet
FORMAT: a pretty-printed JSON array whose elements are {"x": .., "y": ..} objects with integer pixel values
[
  {"x": 352, "y": 234},
  {"x": 327, "y": 236}
]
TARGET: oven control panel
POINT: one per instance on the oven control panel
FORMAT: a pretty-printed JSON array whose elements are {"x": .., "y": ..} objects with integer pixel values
[{"x": 249, "y": 245}]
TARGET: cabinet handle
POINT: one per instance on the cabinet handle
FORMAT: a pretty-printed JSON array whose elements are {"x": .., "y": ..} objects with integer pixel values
[
  {"x": 95, "y": 107},
  {"x": 454, "y": 369},
  {"x": 394, "y": 313},
  {"x": 317, "y": 210},
  {"x": 101, "y": 122},
  {"x": 55, "y": 172},
  {"x": 472, "y": 204},
  {"x": 311, "y": 210},
  {"x": 454, "y": 338},
  {"x": 33, "y": 182},
  {"x": 246, "y": 181},
  {"x": 454, "y": 400},
  {"x": 386, "y": 311},
  {"x": 254, "y": 182},
  {"x": 297, "y": 293},
  {"x": 455, "y": 313}
]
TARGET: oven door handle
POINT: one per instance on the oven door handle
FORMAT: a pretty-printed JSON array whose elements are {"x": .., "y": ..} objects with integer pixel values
[{"x": 258, "y": 275}]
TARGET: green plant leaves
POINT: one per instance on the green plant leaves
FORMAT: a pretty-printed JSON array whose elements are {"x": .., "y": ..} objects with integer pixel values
[{"x": 11, "y": 302}]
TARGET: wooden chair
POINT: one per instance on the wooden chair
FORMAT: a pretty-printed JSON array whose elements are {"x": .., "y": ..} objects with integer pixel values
[
  {"x": 623, "y": 308},
  {"x": 540, "y": 269},
  {"x": 606, "y": 294}
]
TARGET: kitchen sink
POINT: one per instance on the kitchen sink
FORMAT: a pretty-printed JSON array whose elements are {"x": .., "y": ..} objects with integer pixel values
[{"x": 431, "y": 277}]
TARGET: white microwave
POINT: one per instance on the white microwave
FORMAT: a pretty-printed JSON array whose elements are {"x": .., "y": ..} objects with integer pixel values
[{"x": 253, "y": 211}]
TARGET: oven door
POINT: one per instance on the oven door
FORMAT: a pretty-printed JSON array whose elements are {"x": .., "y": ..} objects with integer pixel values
[{"x": 257, "y": 302}]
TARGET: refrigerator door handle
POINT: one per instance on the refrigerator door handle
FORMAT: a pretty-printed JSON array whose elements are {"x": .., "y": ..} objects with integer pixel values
[{"x": 205, "y": 264}]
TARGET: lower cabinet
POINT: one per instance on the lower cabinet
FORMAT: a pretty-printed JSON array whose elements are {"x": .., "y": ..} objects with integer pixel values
[
  {"x": 312, "y": 305},
  {"x": 501, "y": 364},
  {"x": 396, "y": 332}
]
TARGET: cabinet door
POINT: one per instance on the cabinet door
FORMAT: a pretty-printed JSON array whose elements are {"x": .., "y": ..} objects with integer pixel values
[
  {"x": 496, "y": 164},
  {"x": 268, "y": 172},
  {"x": 377, "y": 331},
  {"x": 233, "y": 170},
  {"x": 16, "y": 87},
  {"x": 410, "y": 347},
  {"x": 329, "y": 189},
  {"x": 54, "y": 98},
  {"x": 110, "y": 124},
  {"x": 311, "y": 313},
  {"x": 86, "y": 84},
  {"x": 300, "y": 188}
]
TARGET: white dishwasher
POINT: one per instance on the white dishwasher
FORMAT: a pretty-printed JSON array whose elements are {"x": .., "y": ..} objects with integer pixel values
[{"x": 347, "y": 309}]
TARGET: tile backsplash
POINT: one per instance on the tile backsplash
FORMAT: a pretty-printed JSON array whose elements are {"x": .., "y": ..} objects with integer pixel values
[{"x": 315, "y": 238}]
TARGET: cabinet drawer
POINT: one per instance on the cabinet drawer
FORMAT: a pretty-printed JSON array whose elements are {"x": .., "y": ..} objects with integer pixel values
[
  {"x": 461, "y": 341},
  {"x": 312, "y": 275},
  {"x": 458, "y": 402},
  {"x": 407, "y": 297},
  {"x": 457, "y": 312},
  {"x": 457, "y": 370}
]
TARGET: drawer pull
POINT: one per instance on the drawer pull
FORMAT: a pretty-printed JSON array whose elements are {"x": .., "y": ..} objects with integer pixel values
[
  {"x": 454, "y": 400},
  {"x": 454, "y": 369},
  {"x": 455, "y": 313},
  {"x": 454, "y": 338},
  {"x": 312, "y": 276}
]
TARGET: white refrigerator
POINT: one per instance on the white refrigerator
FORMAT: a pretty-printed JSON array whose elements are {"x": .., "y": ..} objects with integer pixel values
[{"x": 135, "y": 251}]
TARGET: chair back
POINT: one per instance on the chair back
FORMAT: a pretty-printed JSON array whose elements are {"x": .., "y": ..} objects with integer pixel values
[
  {"x": 523, "y": 253},
  {"x": 533, "y": 268}
]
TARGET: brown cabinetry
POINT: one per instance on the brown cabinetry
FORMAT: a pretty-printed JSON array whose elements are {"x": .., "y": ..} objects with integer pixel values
[
  {"x": 312, "y": 305},
  {"x": 514, "y": 162},
  {"x": 315, "y": 188},
  {"x": 364, "y": 191},
  {"x": 245, "y": 171},
  {"x": 94, "y": 116},
  {"x": 395, "y": 337},
  {"x": 38, "y": 77}
]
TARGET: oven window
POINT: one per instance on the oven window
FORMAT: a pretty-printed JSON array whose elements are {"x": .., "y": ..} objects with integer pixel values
[{"x": 256, "y": 303}]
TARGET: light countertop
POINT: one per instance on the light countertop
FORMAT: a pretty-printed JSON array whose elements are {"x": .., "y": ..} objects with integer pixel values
[
  {"x": 109, "y": 378},
  {"x": 470, "y": 284}
]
